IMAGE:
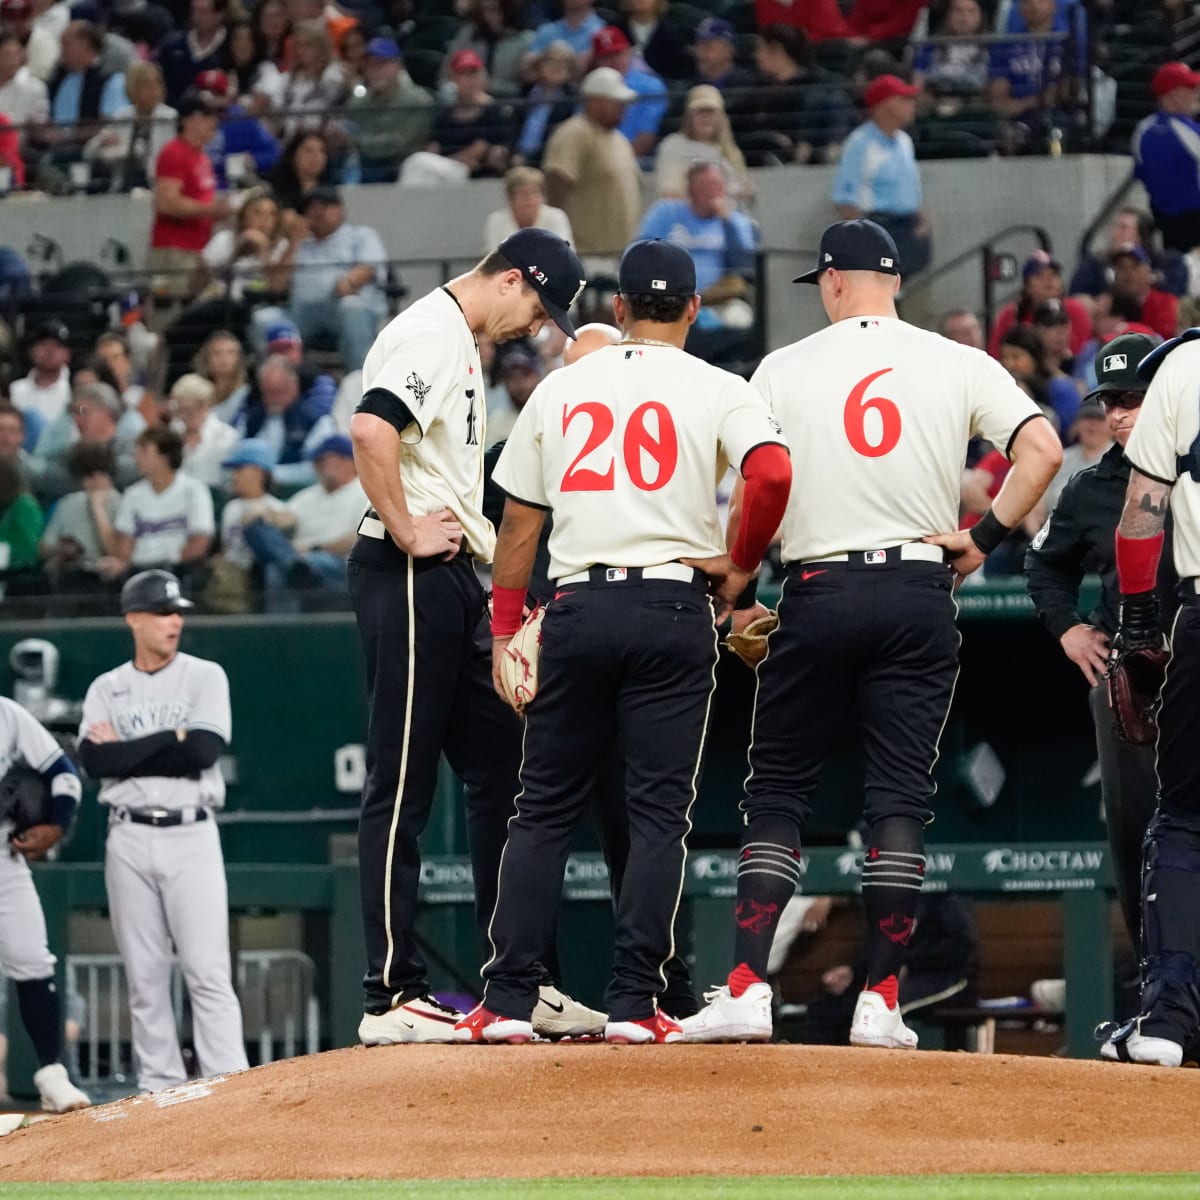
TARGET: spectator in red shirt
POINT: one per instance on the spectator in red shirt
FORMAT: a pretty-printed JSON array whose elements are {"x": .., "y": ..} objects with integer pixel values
[
  {"x": 185, "y": 199},
  {"x": 1133, "y": 276},
  {"x": 868, "y": 21},
  {"x": 1042, "y": 280}
]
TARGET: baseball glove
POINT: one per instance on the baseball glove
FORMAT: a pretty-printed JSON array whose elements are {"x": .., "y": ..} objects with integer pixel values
[
  {"x": 24, "y": 798},
  {"x": 751, "y": 644},
  {"x": 519, "y": 666},
  {"x": 1135, "y": 679}
]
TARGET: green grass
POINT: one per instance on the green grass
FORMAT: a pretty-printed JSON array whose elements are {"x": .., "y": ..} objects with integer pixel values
[{"x": 909, "y": 1187}]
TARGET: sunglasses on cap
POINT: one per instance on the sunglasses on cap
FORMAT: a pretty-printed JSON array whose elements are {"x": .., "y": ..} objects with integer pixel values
[{"x": 1123, "y": 399}]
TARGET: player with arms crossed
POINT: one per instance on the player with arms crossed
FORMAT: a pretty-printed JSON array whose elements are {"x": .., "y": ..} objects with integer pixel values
[
  {"x": 152, "y": 731},
  {"x": 25, "y": 746},
  {"x": 625, "y": 449},
  {"x": 419, "y": 440},
  {"x": 878, "y": 414},
  {"x": 1164, "y": 453}
]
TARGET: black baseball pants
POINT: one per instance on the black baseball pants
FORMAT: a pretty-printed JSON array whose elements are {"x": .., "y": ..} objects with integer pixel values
[
  {"x": 633, "y": 660},
  {"x": 881, "y": 639},
  {"x": 429, "y": 685}
]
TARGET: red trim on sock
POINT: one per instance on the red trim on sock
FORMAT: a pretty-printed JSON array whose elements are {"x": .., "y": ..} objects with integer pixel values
[
  {"x": 888, "y": 988},
  {"x": 740, "y": 978}
]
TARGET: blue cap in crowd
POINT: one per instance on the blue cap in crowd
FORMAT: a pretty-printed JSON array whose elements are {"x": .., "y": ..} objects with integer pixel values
[
  {"x": 283, "y": 331},
  {"x": 550, "y": 267},
  {"x": 713, "y": 29},
  {"x": 656, "y": 268},
  {"x": 382, "y": 47},
  {"x": 335, "y": 443},
  {"x": 858, "y": 245},
  {"x": 250, "y": 452}
]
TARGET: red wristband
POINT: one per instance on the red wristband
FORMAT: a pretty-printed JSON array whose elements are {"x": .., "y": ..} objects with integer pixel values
[
  {"x": 767, "y": 470},
  {"x": 1137, "y": 563},
  {"x": 508, "y": 606}
]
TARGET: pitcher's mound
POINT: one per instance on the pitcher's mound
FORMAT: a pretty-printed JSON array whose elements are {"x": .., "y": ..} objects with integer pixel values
[{"x": 470, "y": 1111}]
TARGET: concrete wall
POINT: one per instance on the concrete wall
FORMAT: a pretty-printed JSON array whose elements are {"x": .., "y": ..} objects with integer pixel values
[{"x": 966, "y": 200}]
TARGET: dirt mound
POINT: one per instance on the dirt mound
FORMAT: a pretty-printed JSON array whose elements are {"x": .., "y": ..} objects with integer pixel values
[{"x": 471, "y": 1111}]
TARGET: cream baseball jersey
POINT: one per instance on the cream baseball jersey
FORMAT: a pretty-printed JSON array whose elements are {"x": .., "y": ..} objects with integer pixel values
[
  {"x": 878, "y": 414},
  {"x": 1167, "y": 425},
  {"x": 188, "y": 693},
  {"x": 427, "y": 356},
  {"x": 626, "y": 447}
]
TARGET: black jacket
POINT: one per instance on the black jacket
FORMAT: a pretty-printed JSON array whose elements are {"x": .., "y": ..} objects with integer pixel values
[{"x": 1080, "y": 538}]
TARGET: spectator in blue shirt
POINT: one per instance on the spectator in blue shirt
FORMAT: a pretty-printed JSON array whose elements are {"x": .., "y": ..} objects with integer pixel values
[
  {"x": 722, "y": 242},
  {"x": 241, "y": 136},
  {"x": 1166, "y": 155},
  {"x": 80, "y": 92},
  {"x": 1026, "y": 84},
  {"x": 580, "y": 22},
  {"x": 878, "y": 177},
  {"x": 611, "y": 48}
]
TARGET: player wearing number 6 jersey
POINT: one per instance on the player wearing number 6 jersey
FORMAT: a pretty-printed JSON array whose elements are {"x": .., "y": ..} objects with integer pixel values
[
  {"x": 625, "y": 447},
  {"x": 878, "y": 414}
]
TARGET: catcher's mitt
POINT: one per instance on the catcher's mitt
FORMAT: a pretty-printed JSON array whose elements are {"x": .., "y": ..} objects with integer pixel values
[
  {"x": 24, "y": 798},
  {"x": 1135, "y": 679},
  {"x": 519, "y": 665},
  {"x": 751, "y": 644}
]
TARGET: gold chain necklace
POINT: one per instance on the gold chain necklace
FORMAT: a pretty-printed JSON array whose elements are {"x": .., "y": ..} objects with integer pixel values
[{"x": 646, "y": 342}]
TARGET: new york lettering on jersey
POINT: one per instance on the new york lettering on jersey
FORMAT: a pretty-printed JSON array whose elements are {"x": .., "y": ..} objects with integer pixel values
[
  {"x": 628, "y": 453},
  {"x": 877, "y": 414}
]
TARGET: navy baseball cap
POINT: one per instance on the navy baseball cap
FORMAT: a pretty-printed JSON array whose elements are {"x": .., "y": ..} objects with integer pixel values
[
  {"x": 335, "y": 443},
  {"x": 858, "y": 245},
  {"x": 654, "y": 267},
  {"x": 250, "y": 452},
  {"x": 322, "y": 194},
  {"x": 551, "y": 268},
  {"x": 153, "y": 591},
  {"x": 713, "y": 29}
]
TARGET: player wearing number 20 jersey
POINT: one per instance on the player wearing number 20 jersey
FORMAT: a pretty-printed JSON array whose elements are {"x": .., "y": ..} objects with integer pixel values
[
  {"x": 878, "y": 415},
  {"x": 625, "y": 448}
]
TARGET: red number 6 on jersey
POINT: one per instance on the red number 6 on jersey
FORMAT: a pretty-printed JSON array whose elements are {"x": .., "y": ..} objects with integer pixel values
[{"x": 854, "y": 416}]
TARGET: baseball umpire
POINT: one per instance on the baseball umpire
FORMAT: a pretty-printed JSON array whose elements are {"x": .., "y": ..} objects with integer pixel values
[
  {"x": 1164, "y": 454},
  {"x": 419, "y": 439},
  {"x": 878, "y": 414},
  {"x": 39, "y": 785},
  {"x": 624, "y": 448},
  {"x": 1078, "y": 538},
  {"x": 152, "y": 730}
]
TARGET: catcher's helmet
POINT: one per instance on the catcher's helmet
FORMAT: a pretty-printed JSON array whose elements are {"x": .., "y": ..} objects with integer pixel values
[{"x": 153, "y": 591}]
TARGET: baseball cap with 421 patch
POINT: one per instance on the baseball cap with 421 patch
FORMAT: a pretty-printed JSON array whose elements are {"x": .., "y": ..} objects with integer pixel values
[{"x": 551, "y": 268}]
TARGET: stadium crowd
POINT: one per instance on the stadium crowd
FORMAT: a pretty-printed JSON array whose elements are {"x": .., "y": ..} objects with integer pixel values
[{"x": 206, "y": 431}]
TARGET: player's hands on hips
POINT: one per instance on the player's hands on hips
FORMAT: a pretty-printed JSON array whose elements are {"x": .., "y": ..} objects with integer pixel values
[
  {"x": 1087, "y": 648},
  {"x": 965, "y": 557},
  {"x": 437, "y": 534},
  {"x": 743, "y": 616},
  {"x": 499, "y": 645},
  {"x": 36, "y": 840},
  {"x": 102, "y": 731},
  {"x": 726, "y": 581}
]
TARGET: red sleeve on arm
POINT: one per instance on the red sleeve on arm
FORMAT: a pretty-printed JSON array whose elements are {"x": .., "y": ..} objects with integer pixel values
[
  {"x": 767, "y": 470},
  {"x": 507, "y": 607},
  {"x": 1137, "y": 563}
]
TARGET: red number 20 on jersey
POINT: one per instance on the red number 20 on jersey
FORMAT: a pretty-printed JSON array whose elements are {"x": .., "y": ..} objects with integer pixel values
[{"x": 660, "y": 446}]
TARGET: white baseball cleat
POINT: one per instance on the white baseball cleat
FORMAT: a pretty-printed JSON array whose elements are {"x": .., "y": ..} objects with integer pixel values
[
  {"x": 419, "y": 1019},
  {"x": 557, "y": 1015},
  {"x": 729, "y": 1018},
  {"x": 875, "y": 1024},
  {"x": 59, "y": 1094},
  {"x": 1135, "y": 1047}
]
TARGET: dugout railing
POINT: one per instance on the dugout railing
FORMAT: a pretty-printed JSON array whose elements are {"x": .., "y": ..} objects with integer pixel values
[{"x": 1077, "y": 874}]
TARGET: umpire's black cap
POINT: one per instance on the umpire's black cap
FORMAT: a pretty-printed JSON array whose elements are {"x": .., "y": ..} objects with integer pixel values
[
  {"x": 858, "y": 245},
  {"x": 1117, "y": 365},
  {"x": 155, "y": 592},
  {"x": 550, "y": 267}
]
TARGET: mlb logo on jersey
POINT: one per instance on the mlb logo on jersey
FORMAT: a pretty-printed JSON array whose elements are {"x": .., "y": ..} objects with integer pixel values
[
  {"x": 1116, "y": 362},
  {"x": 616, "y": 574},
  {"x": 872, "y": 557}
]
